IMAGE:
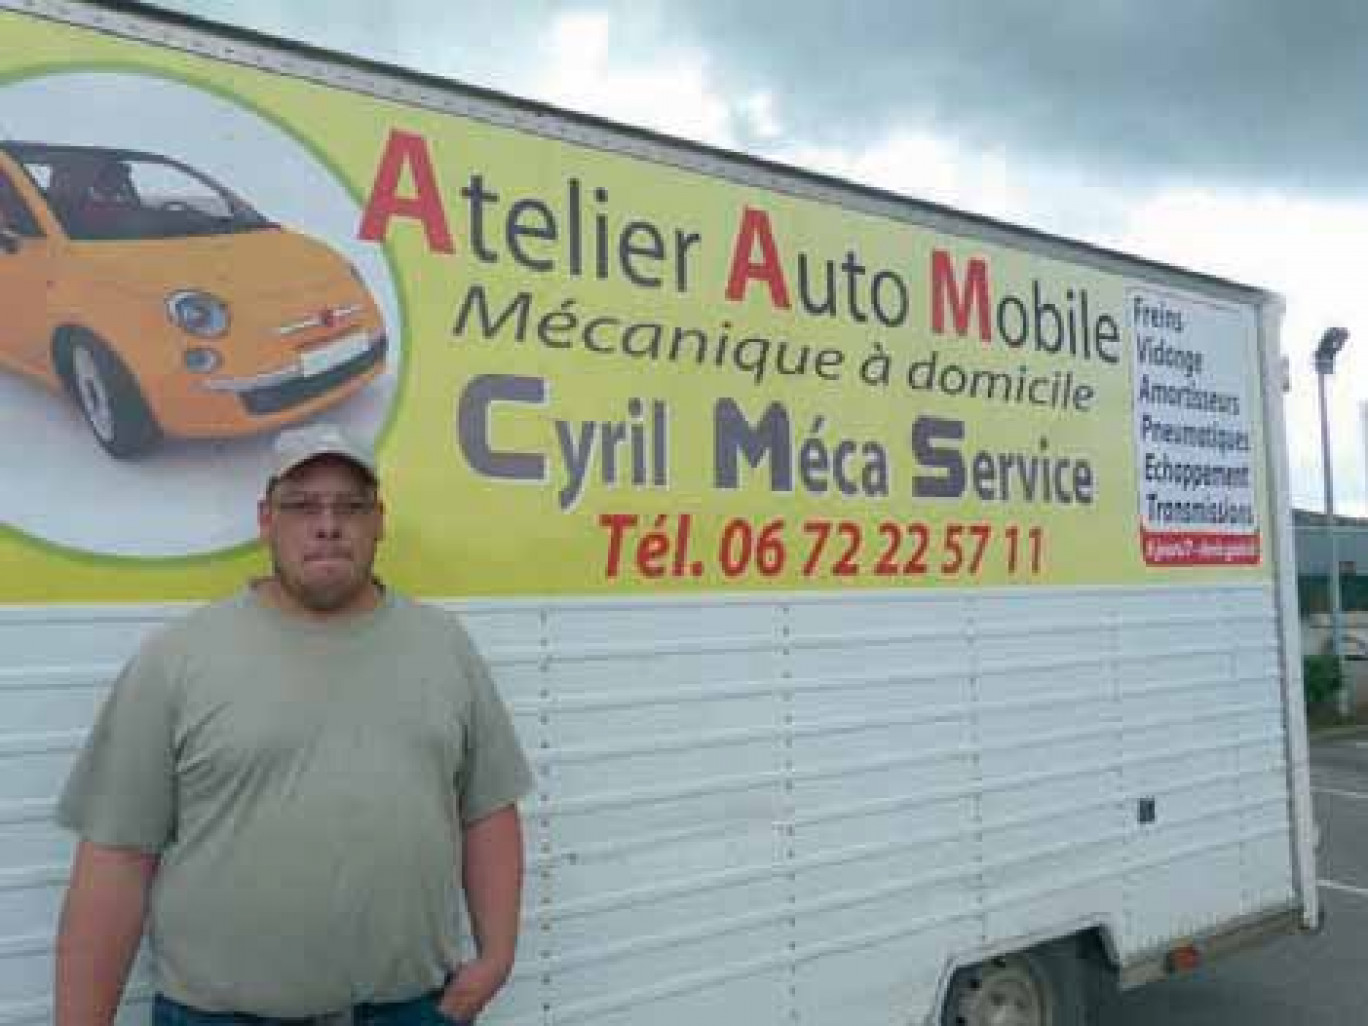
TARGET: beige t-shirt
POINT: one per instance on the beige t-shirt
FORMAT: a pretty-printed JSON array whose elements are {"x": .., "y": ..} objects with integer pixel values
[{"x": 305, "y": 784}]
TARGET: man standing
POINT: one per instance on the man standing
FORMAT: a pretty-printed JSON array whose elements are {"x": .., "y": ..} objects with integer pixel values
[{"x": 287, "y": 785}]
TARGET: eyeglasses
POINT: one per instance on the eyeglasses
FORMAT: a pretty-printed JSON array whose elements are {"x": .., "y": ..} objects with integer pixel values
[{"x": 311, "y": 507}]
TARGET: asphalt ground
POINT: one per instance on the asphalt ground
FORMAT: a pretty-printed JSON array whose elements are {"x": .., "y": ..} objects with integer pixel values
[{"x": 1308, "y": 980}]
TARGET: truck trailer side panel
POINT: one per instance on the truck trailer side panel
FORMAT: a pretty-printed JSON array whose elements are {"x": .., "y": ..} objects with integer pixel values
[{"x": 806, "y": 804}]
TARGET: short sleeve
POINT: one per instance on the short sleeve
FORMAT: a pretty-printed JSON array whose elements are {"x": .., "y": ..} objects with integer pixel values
[
  {"x": 121, "y": 791},
  {"x": 494, "y": 771}
]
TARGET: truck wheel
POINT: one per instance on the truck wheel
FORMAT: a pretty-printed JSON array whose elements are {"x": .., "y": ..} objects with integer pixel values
[
  {"x": 1040, "y": 987},
  {"x": 110, "y": 399}
]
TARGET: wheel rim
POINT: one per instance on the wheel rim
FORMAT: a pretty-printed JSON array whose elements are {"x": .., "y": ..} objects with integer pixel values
[
  {"x": 1004, "y": 992},
  {"x": 93, "y": 393}
]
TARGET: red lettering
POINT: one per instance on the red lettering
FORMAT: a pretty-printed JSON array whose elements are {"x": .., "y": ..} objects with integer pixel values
[
  {"x": 406, "y": 150},
  {"x": 962, "y": 303},
  {"x": 617, "y": 525},
  {"x": 755, "y": 227}
]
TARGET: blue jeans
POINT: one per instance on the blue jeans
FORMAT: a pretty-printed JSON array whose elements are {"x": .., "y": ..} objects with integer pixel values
[{"x": 420, "y": 1011}]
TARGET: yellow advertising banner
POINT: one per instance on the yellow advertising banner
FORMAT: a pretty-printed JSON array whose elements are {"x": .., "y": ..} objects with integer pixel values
[{"x": 585, "y": 372}]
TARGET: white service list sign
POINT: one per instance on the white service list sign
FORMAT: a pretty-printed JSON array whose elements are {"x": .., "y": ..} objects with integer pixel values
[{"x": 1193, "y": 417}]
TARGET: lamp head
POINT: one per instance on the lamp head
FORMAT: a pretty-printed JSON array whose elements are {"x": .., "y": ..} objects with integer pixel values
[{"x": 1331, "y": 342}]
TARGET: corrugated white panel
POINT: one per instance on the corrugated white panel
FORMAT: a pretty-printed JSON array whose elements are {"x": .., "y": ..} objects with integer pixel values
[
  {"x": 799, "y": 808},
  {"x": 1204, "y": 738},
  {"x": 884, "y": 871},
  {"x": 664, "y": 778},
  {"x": 55, "y": 668}
]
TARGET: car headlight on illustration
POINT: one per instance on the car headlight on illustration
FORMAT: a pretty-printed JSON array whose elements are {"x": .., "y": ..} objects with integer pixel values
[
  {"x": 198, "y": 313},
  {"x": 202, "y": 360}
]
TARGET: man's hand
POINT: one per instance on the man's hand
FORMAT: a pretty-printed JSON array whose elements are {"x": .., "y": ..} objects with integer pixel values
[
  {"x": 492, "y": 880},
  {"x": 473, "y": 987}
]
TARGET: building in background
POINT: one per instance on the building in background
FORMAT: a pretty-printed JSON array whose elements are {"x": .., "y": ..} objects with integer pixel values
[{"x": 1313, "y": 568}]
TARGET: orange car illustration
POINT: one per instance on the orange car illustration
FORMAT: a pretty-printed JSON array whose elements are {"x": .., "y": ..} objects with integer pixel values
[{"x": 166, "y": 305}]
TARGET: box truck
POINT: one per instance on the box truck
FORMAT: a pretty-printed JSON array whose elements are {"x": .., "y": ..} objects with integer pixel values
[{"x": 897, "y": 604}]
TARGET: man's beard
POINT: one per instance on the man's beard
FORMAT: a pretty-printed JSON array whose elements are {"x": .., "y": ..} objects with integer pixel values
[{"x": 326, "y": 596}]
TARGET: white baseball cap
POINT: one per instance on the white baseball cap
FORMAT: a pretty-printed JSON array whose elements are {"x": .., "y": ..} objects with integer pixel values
[{"x": 296, "y": 446}]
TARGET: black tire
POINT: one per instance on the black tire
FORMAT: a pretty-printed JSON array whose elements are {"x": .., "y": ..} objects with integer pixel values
[
  {"x": 109, "y": 398},
  {"x": 1040, "y": 987}
]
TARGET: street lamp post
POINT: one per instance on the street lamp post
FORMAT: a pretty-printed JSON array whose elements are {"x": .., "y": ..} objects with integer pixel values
[{"x": 1330, "y": 344}]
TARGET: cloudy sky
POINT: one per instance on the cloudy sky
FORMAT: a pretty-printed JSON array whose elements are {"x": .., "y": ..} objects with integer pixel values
[{"x": 1230, "y": 136}]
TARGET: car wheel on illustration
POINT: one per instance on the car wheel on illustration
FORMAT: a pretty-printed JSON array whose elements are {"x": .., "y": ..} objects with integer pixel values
[{"x": 109, "y": 398}]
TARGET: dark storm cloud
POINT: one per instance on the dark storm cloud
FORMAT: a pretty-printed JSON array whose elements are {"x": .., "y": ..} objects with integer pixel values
[
  {"x": 1250, "y": 92},
  {"x": 1268, "y": 92}
]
